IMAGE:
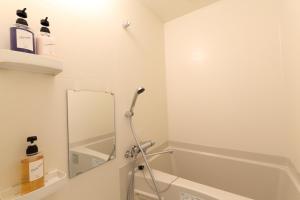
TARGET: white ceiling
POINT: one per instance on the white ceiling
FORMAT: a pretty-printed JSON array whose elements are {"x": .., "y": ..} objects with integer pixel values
[{"x": 170, "y": 9}]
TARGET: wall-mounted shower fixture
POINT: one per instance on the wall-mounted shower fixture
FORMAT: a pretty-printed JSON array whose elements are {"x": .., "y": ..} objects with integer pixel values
[
  {"x": 134, "y": 151},
  {"x": 140, "y": 149},
  {"x": 139, "y": 91},
  {"x": 126, "y": 25}
]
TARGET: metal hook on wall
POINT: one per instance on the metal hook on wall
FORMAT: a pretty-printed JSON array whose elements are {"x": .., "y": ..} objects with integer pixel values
[{"x": 126, "y": 25}]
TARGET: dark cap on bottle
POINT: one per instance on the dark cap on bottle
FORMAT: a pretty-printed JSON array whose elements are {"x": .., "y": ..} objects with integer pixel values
[
  {"x": 22, "y": 16},
  {"x": 32, "y": 149}
]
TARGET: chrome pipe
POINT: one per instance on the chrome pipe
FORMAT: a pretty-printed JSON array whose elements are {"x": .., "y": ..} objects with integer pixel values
[{"x": 159, "y": 153}]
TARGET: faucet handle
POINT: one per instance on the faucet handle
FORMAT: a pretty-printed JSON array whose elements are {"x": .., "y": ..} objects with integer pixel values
[{"x": 132, "y": 152}]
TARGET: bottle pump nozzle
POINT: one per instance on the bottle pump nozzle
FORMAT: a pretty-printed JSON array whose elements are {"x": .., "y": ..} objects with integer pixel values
[
  {"x": 32, "y": 148},
  {"x": 22, "y": 16},
  {"x": 22, "y": 13},
  {"x": 45, "y": 24}
]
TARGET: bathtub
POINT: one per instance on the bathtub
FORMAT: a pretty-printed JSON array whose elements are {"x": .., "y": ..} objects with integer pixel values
[
  {"x": 87, "y": 156},
  {"x": 198, "y": 173}
]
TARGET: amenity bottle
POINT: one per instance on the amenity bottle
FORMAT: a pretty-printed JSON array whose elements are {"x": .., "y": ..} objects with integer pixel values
[
  {"x": 32, "y": 168},
  {"x": 21, "y": 36}
]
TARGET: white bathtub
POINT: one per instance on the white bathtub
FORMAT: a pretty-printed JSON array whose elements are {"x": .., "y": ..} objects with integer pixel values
[
  {"x": 207, "y": 175},
  {"x": 88, "y": 156}
]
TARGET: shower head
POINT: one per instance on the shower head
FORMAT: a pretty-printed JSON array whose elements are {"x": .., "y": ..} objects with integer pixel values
[{"x": 139, "y": 91}]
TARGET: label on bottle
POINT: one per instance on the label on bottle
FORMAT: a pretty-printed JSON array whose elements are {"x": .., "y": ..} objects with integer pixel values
[
  {"x": 45, "y": 46},
  {"x": 24, "y": 39},
  {"x": 36, "y": 170}
]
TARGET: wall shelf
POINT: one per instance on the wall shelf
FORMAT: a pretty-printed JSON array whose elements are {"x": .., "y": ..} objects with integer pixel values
[
  {"x": 15, "y": 60},
  {"x": 54, "y": 180}
]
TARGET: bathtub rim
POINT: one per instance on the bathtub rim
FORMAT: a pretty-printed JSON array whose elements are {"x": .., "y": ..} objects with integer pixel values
[{"x": 282, "y": 168}]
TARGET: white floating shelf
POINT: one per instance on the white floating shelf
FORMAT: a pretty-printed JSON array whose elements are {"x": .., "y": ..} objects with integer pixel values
[
  {"x": 29, "y": 62},
  {"x": 54, "y": 180}
]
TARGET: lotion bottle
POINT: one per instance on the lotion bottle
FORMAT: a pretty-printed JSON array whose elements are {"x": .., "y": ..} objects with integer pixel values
[
  {"x": 45, "y": 42},
  {"x": 32, "y": 168},
  {"x": 21, "y": 36}
]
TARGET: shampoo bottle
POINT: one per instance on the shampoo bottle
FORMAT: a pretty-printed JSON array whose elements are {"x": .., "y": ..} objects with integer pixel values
[
  {"x": 21, "y": 36},
  {"x": 32, "y": 168},
  {"x": 45, "y": 42}
]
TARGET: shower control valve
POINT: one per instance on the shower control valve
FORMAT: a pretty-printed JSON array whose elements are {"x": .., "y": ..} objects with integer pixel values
[
  {"x": 132, "y": 152},
  {"x": 135, "y": 150}
]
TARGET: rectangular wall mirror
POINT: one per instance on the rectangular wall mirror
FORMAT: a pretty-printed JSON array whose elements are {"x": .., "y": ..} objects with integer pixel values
[{"x": 91, "y": 128}]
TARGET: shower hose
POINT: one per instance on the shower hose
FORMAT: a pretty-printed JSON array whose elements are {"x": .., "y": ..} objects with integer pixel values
[{"x": 154, "y": 188}]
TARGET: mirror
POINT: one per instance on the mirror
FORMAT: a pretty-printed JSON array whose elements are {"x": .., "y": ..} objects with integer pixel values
[{"x": 91, "y": 128}]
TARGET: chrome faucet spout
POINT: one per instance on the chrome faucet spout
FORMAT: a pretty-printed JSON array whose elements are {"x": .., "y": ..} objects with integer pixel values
[{"x": 161, "y": 152}]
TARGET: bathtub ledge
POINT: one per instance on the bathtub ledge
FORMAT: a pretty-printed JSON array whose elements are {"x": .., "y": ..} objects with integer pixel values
[{"x": 208, "y": 191}]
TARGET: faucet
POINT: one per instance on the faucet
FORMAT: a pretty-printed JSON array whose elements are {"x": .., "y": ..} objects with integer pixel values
[
  {"x": 134, "y": 151},
  {"x": 161, "y": 152}
]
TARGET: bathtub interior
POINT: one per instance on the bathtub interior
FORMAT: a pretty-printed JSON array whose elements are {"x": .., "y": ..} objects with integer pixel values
[
  {"x": 252, "y": 180},
  {"x": 181, "y": 189},
  {"x": 104, "y": 146},
  {"x": 173, "y": 194},
  {"x": 85, "y": 157}
]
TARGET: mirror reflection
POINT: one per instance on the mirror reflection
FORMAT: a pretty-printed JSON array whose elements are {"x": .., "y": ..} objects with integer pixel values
[{"x": 91, "y": 127}]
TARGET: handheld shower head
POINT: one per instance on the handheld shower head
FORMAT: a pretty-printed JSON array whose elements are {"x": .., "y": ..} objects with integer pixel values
[{"x": 139, "y": 91}]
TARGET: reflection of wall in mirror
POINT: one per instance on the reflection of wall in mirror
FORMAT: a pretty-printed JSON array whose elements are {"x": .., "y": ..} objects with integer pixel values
[{"x": 91, "y": 114}]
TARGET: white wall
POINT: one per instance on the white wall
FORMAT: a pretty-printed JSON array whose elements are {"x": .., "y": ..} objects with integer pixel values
[
  {"x": 99, "y": 55},
  {"x": 225, "y": 82},
  {"x": 291, "y": 61}
]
